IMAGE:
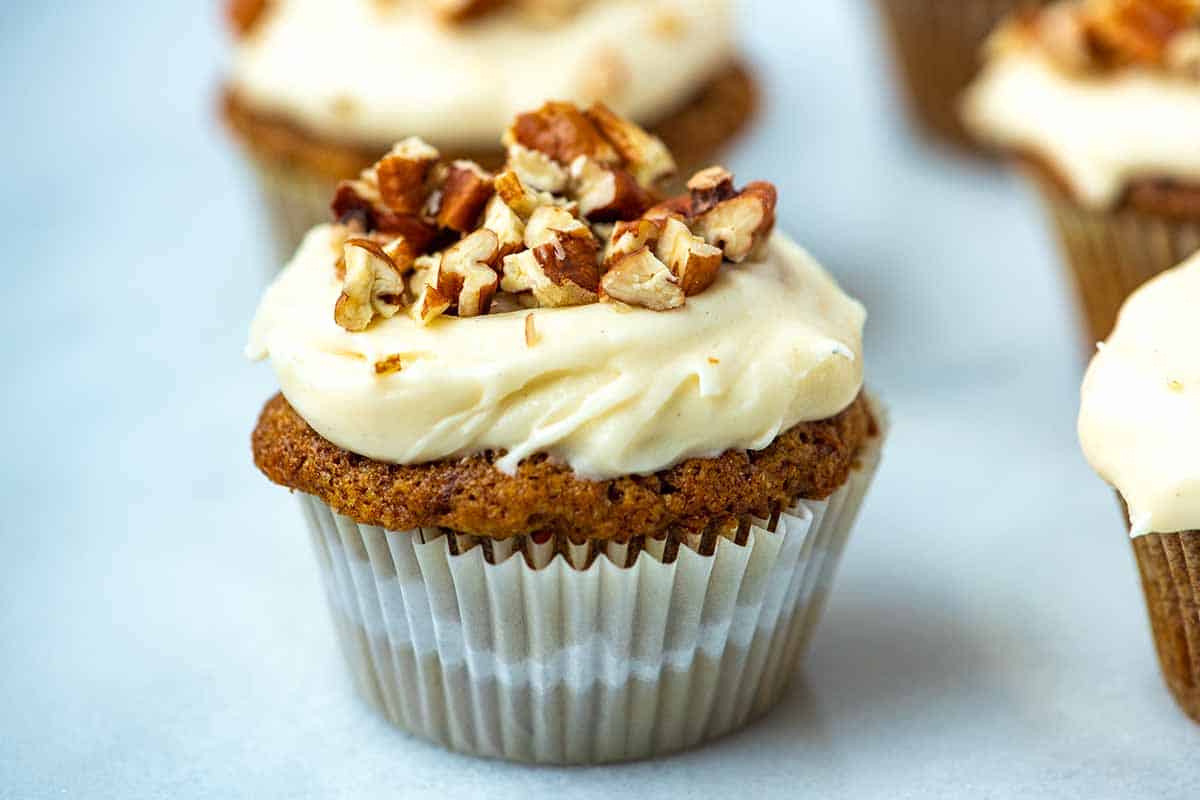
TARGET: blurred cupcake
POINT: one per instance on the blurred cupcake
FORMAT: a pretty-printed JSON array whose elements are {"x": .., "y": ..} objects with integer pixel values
[
  {"x": 578, "y": 466},
  {"x": 1140, "y": 428},
  {"x": 1100, "y": 101},
  {"x": 936, "y": 45},
  {"x": 317, "y": 89}
]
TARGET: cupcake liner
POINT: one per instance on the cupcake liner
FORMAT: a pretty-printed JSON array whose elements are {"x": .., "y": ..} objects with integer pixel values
[
  {"x": 1112, "y": 253},
  {"x": 567, "y": 653},
  {"x": 1169, "y": 564},
  {"x": 937, "y": 47}
]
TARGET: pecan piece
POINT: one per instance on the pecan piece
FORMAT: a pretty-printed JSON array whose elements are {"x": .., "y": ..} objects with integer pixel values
[
  {"x": 357, "y": 204},
  {"x": 430, "y": 304},
  {"x": 465, "y": 193},
  {"x": 644, "y": 154},
  {"x": 244, "y": 15},
  {"x": 371, "y": 285},
  {"x": 561, "y": 267},
  {"x": 401, "y": 175},
  {"x": 631, "y": 236},
  {"x": 708, "y": 187},
  {"x": 693, "y": 262},
  {"x": 562, "y": 132},
  {"x": 465, "y": 273},
  {"x": 536, "y": 169},
  {"x": 640, "y": 279},
  {"x": 504, "y": 222},
  {"x": 741, "y": 225},
  {"x": 606, "y": 193}
]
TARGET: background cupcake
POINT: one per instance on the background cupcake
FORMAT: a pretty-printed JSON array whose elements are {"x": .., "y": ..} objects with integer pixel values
[
  {"x": 1140, "y": 428},
  {"x": 1100, "y": 101},
  {"x": 563, "y": 513},
  {"x": 936, "y": 45},
  {"x": 317, "y": 89}
]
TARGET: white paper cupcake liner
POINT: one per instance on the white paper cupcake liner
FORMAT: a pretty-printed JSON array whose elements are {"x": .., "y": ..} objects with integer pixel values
[{"x": 565, "y": 655}]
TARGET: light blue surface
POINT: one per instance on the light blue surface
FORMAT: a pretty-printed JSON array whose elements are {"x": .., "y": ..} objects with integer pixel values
[{"x": 163, "y": 629}]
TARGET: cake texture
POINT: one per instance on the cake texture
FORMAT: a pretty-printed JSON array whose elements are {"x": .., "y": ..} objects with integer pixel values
[
  {"x": 1100, "y": 102},
  {"x": 576, "y": 455},
  {"x": 317, "y": 90},
  {"x": 1138, "y": 428}
]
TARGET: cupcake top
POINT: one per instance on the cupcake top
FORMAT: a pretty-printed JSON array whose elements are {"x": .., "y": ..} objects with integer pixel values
[
  {"x": 1140, "y": 417},
  {"x": 1104, "y": 94},
  {"x": 558, "y": 308},
  {"x": 456, "y": 71}
]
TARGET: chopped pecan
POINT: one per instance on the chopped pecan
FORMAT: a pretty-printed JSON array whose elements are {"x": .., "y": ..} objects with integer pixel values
[
  {"x": 504, "y": 222},
  {"x": 741, "y": 225},
  {"x": 679, "y": 206},
  {"x": 536, "y": 169},
  {"x": 356, "y": 203},
  {"x": 430, "y": 304},
  {"x": 531, "y": 335},
  {"x": 465, "y": 273},
  {"x": 401, "y": 175},
  {"x": 465, "y": 192},
  {"x": 606, "y": 193},
  {"x": 631, "y": 236},
  {"x": 694, "y": 263},
  {"x": 640, "y": 279},
  {"x": 561, "y": 267},
  {"x": 562, "y": 132},
  {"x": 645, "y": 155},
  {"x": 550, "y": 220},
  {"x": 709, "y": 187},
  {"x": 1136, "y": 31},
  {"x": 518, "y": 196},
  {"x": 371, "y": 285}
]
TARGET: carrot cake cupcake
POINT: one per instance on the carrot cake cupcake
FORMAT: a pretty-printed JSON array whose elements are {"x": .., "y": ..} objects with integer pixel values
[
  {"x": 1140, "y": 428},
  {"x": 318, "y": 89},
  {"x": 936, "y": 45},
  {"x": 1100, "y": 101},
  {"x": 578, "y": 460}
]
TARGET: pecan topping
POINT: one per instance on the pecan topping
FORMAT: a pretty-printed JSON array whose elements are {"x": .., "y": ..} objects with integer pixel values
[
  {"x": 401, "y": 175},
  {"x": 465, "y": 193},
  {"x": 741, "y": 225},
  {"x": 640, "y": 279},
  {"x": 372, "y": 285}
]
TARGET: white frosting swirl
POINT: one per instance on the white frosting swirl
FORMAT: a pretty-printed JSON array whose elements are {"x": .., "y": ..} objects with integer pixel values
[
  {"x": 357, "y": 71},
  {"x": 1139, "y": 421},
  {"x": 608, "y": 389},
  {"x": 1098, "y": 132}
]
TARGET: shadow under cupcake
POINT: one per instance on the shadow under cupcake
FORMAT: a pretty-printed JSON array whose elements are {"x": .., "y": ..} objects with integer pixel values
[{"x": 580, "y": 464}]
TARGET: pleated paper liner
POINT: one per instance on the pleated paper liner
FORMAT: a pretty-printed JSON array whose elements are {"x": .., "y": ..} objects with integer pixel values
[
  {"x": 572, "y": 653},
  {"x": 937, "y": 45},
  {"x": 1112, "y": 253},
  {"x": 1169, "y": 564}
]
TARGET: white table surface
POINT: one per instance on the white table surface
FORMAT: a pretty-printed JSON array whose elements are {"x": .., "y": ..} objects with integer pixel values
[{"x": 161, "y": 619}]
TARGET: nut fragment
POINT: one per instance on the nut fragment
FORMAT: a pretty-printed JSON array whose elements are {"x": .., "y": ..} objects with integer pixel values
[
  {"x": 518, "y": 196},
  {"x": 606, "y": 193},
  {"x": 645, "y": 155},
  {"x": 561, "y": 267},
  {"x": 548, "y": 221},
  {"x": 464, "y": 194},
  {"x": 372, "y": 285},
  {"x": 401, "y": 175},
  {"x": 531, "y": 334},
  {"x": 465, "y": 273},
  {"x": 357, "y": 203},
  {"x": 430, "y": 304},
  {"x": 1136, "y": 31},
  {"x": 741, "y": 225},
  {"x": 640, "y": 279},
  {"x": 694, "y": 263},
  {"x": 709, "y": 187},
  {"x": 631, "y": 236},
  {"x": 562, "y": 132},
  {"x": 536, "y": 169},
  {"x": 504, "y": 222},
  {"x": 680, "y": 206}
]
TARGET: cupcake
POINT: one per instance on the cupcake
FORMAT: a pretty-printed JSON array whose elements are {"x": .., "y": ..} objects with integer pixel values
[
  {"x": 318, "y": 89},
  {"x": 1100, "y": 102},
  {"x": 936, "y": 45},
  {"x": 1140, "y": 428},
  {"x": 578, "y": 461}
]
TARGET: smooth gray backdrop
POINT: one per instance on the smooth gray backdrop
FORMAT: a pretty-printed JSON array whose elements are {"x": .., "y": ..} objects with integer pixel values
[{"x": 161, "y": 623}]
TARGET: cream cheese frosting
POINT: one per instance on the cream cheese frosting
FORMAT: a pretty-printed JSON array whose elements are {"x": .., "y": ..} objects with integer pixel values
[
  {"x": 1099, "y": 132},
  {"x": 608, "y": 389},
  {"x": 1139, "y": 421},
  {"x": 367, "y": 72}
]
